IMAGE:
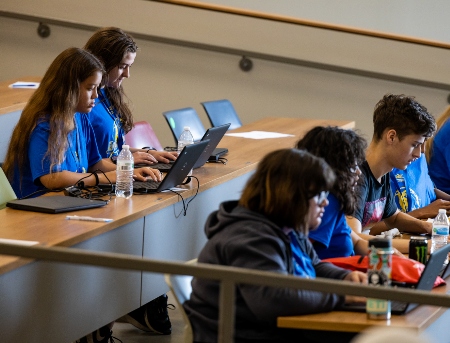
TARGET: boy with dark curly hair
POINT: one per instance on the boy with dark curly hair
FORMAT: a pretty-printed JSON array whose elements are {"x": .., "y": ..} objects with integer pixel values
[{"x": 401, "y": 126}]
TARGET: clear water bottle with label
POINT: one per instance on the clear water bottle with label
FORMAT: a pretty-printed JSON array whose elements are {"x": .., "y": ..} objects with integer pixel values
[
  {"x": 439, "y": 234},
  {"x": 186, "y": 138},
  {"x": 124, "y": 173}
]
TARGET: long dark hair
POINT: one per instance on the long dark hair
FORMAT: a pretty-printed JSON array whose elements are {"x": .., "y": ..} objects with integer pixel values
[
  {"x": 282, "y": 185},
  {"x": 110, "y": 45},
  {"x": 342, "y": 149},
  {"x": 54, "y": 101}
]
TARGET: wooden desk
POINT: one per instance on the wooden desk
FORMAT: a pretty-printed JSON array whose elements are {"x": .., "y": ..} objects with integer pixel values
[
  {"x": 56, "y": 302},
  {"x": 432, "y": 320},
  {"x": 12, "y": 102}
]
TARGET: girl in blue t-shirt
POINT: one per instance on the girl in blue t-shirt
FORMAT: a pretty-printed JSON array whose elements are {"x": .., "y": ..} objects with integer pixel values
[
  {"x": 344, "y": 151},
  {"x": 111, "y": 118},
  {"x": 53, "y": 145}
]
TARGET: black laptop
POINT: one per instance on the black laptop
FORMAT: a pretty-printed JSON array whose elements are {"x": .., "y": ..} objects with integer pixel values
[
  {"x": 211, "y": 153},
  {"x": 55, "y": 204},
  {"x": 432, "y": 270},
  {"x": 177, "y": 174}
]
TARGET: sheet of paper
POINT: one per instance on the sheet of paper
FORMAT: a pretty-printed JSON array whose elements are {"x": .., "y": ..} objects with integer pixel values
[
  {"x": 258, "y": 135},
  {"x": 17, "y": 241},
  {"x": 24, "y": 84}
]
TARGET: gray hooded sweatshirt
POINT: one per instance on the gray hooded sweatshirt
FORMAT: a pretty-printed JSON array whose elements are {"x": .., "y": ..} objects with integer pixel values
[{"x": 242, "y": 238}]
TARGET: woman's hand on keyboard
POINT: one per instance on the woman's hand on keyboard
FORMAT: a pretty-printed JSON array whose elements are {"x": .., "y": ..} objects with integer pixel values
[{"x": 143, "y": 174}]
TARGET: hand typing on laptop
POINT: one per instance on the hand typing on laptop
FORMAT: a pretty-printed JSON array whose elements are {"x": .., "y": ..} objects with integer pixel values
[
  {"x": 146, "y": 173},
  {"x": 357, "y": 277},
  {"x": 149, "y": 157}
]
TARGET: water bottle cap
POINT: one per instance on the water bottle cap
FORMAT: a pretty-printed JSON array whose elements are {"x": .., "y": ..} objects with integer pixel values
[
  {"x": 442, "y": 210},
  {"x": 380, "y": 242},
  {"x": 126, "y": 147},
  {"x": 187, "y": 128}
]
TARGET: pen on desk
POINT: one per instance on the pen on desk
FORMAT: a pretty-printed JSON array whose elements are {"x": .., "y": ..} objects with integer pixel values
[{"x": 89, "y": 219}]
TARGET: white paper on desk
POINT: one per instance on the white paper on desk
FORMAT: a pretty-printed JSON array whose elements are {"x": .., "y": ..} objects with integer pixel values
[
  {"x": 17, "y": 241},
  {"x": 175, "y": 189},
  {"x": 24, "y": 84},
  {"x": 259, "y": 135}
]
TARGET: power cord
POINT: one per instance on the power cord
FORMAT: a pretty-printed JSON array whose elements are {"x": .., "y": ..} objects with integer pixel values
[
  {"x": 222, "y": 160},
  {"x": 92, "y": 192},
  {"x": 185, "y": 205}
]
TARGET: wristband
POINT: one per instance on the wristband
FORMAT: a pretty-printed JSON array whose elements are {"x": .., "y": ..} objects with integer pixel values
[{"x": 97, "y": 181}]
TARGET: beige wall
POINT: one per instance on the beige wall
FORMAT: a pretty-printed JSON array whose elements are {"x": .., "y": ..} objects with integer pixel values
[{"x": 167, "y": 76}]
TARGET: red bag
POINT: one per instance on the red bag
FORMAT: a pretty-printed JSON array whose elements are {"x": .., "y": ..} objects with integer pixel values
[{"x": 403, "y": 269}]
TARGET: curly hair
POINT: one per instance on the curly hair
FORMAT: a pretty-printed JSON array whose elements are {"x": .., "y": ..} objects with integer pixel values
[
  {"x": 110, "y": 45},
  {"x": 342, "y": 149},
  {"x": 403, "y": 114},
  {"x": 282, "y": 185}
]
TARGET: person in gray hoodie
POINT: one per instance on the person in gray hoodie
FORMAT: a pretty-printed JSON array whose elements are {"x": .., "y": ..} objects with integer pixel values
[{"x": 267, "y": 230}]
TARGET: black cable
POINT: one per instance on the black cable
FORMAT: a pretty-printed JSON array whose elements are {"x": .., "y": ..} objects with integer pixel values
[{"x": 186, "y": 205}]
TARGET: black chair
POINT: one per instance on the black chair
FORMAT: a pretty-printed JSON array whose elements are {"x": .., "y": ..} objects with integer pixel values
[
  {"x": 178, "y": 119},
  {"x": 222, "y": 112}
]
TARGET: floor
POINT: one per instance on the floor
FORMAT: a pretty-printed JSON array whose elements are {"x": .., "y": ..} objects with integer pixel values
[{"x": 129, "y": 334}]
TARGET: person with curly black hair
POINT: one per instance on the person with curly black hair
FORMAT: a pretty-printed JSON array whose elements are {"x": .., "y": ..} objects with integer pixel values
[
  {"x": 344, "y": 151},
  {"x": 401, "y": 126}
]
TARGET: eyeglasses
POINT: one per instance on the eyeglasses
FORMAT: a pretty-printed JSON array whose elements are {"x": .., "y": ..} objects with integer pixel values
[
  {"x": 322, "y": 196},
  {"x": 354, "y": 169}
]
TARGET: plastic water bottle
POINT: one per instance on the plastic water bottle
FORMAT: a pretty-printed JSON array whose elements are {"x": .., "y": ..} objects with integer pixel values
[
  {"x": 439, "y": 234},
  {"x": 186, "y": 138},
  {"x": 124, "y": 173}
]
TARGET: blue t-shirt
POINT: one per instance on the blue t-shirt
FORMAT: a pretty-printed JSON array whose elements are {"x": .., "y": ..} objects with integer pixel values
[
  {"x": 333, "y": 236},
  {"x": 108, "y": 129},
  {"x": 412, "y": 188},
  {"x": 82, "y": 153},
  {"x": 302, "y": 261},
  {"x": 439, "y": 166}
]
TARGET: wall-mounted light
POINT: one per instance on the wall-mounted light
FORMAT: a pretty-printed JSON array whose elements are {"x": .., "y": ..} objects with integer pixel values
[
  {"x": 43, "y": 30},
  {"x": 245, "y": 64}
]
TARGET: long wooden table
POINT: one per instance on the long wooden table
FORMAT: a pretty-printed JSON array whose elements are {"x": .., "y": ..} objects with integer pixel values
[
  {"x": 12, "y": 102},
  {"x": 432, "y": 320},
  {"x": 56, "y": 302}
]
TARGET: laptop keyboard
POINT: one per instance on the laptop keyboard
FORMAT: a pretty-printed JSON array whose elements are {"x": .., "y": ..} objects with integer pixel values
[
  {"x": 162, "y": 167},
  {"x": 149, "y": 184},
  {"x": 398, "y": 306}
]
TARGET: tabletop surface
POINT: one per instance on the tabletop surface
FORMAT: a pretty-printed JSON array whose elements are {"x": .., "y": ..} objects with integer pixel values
[
  {"x": 15, "y": 99},
  {"x": 243, "y": 157},
  {"x": 418, "y": 319}
]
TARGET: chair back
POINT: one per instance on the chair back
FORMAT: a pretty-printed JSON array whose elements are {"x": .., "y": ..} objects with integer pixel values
[
  {"x": 180, "y": 286},
  {"x": 178, "y": 119},
  {"x": 6, "y": 191},
  {"x": 222, "y": 112},
  {"x": 142, "y": 135}
]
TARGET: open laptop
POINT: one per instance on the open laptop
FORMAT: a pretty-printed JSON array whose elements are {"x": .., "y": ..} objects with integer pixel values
[
  {"x": 177, "y": 174},
  {"x": 432, "y": 270},
  {"x": 211, "y": 153}
]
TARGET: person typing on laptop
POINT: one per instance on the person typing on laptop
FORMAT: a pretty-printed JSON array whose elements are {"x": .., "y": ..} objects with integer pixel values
[
  {"x": 111, "y": 118},
  {"x": 53, "y": 144},
  {"x": 267, "y": 229}
]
